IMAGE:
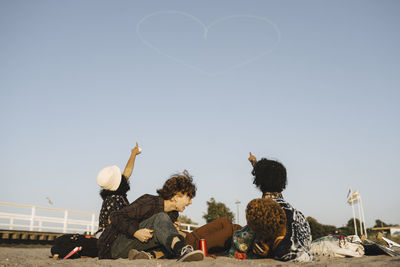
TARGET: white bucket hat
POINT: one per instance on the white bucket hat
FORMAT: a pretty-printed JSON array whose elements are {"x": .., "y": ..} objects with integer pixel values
[{"x": 109, "y": 178}]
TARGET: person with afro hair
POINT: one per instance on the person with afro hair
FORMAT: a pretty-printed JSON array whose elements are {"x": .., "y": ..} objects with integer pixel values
[{"x": 270, "y": 177}]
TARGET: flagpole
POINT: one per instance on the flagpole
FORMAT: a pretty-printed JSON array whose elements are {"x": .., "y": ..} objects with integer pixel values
[
  {"x": 354, "y": 219},
  {"x": 359, "y": 215},
  {"x": 363, "y": 218},
  {"x": 351, "y": 202}
]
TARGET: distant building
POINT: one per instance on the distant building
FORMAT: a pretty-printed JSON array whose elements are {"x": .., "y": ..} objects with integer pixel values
[{"x": 393, "y": 230}]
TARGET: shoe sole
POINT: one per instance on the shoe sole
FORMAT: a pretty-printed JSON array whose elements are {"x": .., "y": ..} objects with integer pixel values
[
  {"x": 192, "y": 256},
  {"x": 142, "y": 256},
  {"x": 138, "y": 255}
]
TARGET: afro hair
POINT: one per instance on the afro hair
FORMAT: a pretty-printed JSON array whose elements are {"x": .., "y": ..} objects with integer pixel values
[
  {"x": 266, "y": 218},
  {"x": 269, "y": 176}
]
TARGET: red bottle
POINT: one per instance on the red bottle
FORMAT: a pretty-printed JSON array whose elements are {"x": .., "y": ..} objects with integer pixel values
[
  {"x": 75, "y": 250},
  {"x": 203, "y": 246}
]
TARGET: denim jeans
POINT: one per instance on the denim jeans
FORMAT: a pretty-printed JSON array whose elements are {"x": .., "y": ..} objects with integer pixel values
[{"x": 164, "y": 232}]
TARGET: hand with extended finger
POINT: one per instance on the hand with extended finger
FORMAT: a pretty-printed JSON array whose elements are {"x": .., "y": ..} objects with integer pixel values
[
  {"x": 143, "y": 235},
  {"x": 136, "y": 150},
  {"x": 252, "y": 159}
]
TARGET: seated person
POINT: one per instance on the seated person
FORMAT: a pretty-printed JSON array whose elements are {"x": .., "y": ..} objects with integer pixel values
[
  {"x": 148, "y": 223},
  {"x": 270, "y": 177},
  {"x": 114, "y": 187}
]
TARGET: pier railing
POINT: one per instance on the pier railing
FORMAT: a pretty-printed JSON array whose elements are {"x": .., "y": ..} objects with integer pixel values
[
  {"x": 43, "y": 219},
  {"x": 35, "y": 218}
]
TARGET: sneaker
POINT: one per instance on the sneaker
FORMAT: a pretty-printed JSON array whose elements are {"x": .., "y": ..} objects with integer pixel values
[
  {"x": 189, "y": 254},
  {"x": 139, "y": 255}
]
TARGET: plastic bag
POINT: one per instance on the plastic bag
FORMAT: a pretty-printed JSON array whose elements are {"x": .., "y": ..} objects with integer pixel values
[{"x": 338, "y": 246}]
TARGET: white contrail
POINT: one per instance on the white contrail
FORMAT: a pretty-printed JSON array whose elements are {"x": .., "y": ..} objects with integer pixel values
[{"x": 206, "y": 29}]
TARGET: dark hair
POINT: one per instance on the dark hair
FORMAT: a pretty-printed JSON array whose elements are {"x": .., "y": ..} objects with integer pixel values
[
  {"x": 178, "y": 183},
  {"x": 269, "y": 176},
  {"x": 266, "y": 218},
  {"x": 121, "y": 190}
]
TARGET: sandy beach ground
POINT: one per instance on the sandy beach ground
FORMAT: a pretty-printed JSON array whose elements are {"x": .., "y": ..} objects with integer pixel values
[{"x": 39, "y": 256}]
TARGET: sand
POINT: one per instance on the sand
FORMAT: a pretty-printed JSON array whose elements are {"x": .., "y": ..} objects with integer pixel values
[{"x": 34, "y": 256}]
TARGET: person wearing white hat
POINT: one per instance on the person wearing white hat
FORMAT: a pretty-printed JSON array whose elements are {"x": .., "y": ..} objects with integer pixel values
[{"x": 114, "y": 187}]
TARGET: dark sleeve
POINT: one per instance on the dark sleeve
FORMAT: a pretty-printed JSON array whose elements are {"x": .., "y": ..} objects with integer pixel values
[
  {"x": 127, "y": 220},
  {"x": 173, "y": 215}
]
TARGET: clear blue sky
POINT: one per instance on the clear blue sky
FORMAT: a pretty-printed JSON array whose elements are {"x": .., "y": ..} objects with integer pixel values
[{"x": 314, "y": 84}]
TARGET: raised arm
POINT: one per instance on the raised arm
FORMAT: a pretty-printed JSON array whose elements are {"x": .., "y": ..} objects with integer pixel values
[
  {"x": 252, "y": 159},
  {"x": 131, "y": 161}
]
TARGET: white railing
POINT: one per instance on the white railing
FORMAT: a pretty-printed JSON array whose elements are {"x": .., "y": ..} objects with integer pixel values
[
  {"x": 189, "y": 227},
  {"x": 63, "y": 223},
  {"x": 56, "y": 220}
]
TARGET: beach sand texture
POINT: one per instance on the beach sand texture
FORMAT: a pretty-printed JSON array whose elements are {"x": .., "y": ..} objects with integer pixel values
[{"x": 16, "y": 256}]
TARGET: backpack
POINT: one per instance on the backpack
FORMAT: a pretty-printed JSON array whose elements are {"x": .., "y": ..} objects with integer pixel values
[
  {"x": 66, "y": 243},
  {"x": 242, "y": 244}
]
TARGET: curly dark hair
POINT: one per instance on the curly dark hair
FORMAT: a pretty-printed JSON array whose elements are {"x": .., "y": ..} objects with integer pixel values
[
  {"x": 122, "y": 189},
  {"x": 178, "y": 183},
  {"x": 269, "y": 176},
  {"x": 266, "y": 218}
]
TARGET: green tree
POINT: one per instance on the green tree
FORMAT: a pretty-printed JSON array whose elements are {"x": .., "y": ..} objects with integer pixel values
[
  {"x": 348, "y": 229},
  {"x": 379, "y": 223},
  {"x": 217, "y": 210},
  {"x": 319, "y": 230}
]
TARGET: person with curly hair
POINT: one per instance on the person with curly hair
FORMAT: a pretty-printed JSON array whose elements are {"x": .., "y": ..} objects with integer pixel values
[
  {"x": 114, "y": 187},
  {"x": 149, "y": 222},
  {"x": 270, "y": 177},
  {"x": 266, "y": 227},
  {"x": 266, "y": 218}
]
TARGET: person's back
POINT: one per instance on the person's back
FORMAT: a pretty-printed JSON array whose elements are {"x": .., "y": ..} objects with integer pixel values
[
  {"x": 113, "y": 201},
  {"x": 270, "y": 177},
  {"x": 297, "y": 241},
  {"x": 114, "y": 187}
]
